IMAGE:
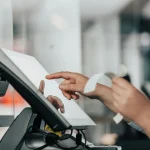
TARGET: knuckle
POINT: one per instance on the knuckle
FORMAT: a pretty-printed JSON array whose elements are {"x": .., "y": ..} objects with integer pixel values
[
  {"x": 124, "y": 102},
  {"x": 120, "y": 80},
  {"x": 61, "y": 73},
  {"x": 116, "y": 79},
  {"x": 131, "y": 92}
]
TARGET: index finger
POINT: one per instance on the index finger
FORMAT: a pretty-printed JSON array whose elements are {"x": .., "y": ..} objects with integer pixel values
[{"x": 64, "y": 75}]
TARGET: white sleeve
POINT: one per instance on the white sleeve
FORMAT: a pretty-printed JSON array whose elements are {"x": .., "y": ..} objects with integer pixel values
[{"x": 135, "y": 126}]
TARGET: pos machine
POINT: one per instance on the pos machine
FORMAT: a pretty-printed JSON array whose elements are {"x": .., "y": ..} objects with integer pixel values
[{"x": 27, "y": 132}]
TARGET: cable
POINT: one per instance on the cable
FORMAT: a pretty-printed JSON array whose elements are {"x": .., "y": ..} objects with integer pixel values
[
  {"x": 67, "y": 136},
  {"x": 67, "y": 148},
  {"x": 22, "y": 140},
  {"x": 84, "y": 138},
  {"x": 52, "y": 138},
  {"x": 41, "y": 132},
  {"x": 71, "y": 148}
]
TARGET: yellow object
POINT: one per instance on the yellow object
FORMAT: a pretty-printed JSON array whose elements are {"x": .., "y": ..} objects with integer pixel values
[{"x": 50, "y": 130}]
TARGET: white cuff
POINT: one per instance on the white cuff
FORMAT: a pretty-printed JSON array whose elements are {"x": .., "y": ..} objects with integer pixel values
[{"x": 135, "y": 126}]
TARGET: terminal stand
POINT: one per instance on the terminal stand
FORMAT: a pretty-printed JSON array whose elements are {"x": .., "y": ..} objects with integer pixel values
[
  {"x": 16, "y": 138},
  {"x": 16, "y": 132},
  {"x": 27, "y": 130}
]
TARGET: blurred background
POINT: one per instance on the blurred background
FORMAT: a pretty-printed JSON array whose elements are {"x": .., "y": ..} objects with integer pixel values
[{"x": 85, "y": 36}]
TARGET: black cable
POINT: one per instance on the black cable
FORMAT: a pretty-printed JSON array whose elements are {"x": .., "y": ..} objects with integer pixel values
[
  {"x": 71, "y": 148},
  {"x": 67, "y": 148},
  {"x": 22, "y": 140},
  {"x": 66, "y": 136},
  {"x": 55, "y": 140},
  {"x": 46, "y": 134},
  {"x": 40, "y": 131},
  {"x": 84, "y": 138}
]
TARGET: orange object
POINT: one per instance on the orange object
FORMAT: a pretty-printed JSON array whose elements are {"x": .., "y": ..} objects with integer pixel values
[{"x": 12, "y": 97}]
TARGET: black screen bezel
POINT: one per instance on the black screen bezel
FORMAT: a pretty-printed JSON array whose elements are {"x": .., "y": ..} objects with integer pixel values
[{"x": 36, "y": 101}]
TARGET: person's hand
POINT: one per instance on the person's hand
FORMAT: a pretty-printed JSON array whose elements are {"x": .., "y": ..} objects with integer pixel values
[
  {"x": 128, "y": 101},
  {"x": 56, "y": 102},
  {"x": 73, "y": 84},
  {"x": 121, "y": 98}
]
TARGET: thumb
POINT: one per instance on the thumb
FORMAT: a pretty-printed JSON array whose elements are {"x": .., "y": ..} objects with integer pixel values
[
  {"x": 41, "y": 87},
  {"x": 72, "y": 87}
]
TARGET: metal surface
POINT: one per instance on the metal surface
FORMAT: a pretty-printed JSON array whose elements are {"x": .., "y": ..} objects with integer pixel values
[{"x": 6, "y": 121}]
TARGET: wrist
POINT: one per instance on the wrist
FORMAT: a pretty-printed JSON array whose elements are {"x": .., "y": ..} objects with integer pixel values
[
  {"x": 145, "y": 125},
  {"x": 144, "y": 120},
  {"x": 94, "y": 94},
  {"x": 103, "y": 92}
]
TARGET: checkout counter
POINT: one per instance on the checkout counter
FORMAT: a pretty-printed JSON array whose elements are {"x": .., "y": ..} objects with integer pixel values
[{"x": 27, "y": 132}]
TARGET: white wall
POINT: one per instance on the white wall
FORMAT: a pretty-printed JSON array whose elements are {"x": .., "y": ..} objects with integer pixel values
[
  {"x": 6, "y": 24},
  {"x": 132, "y": 58},
  {"x": 101, "y": 53},
  {"x": 101, "y": 46},
  {"x": 55, "y": 40}
]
